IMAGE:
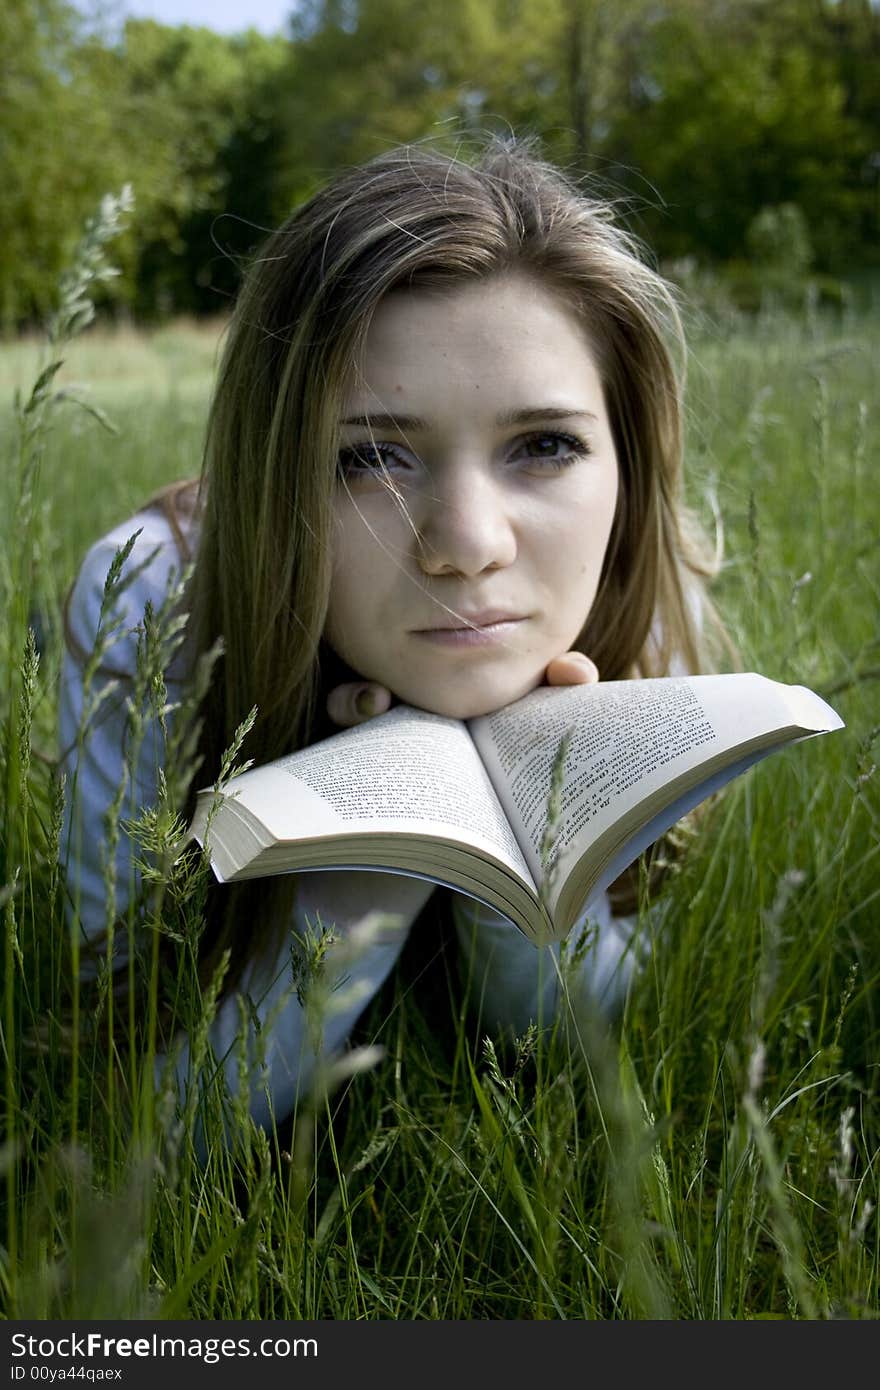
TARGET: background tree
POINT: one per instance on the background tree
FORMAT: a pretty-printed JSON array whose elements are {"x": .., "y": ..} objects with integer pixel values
[
  {"x": 202, "y": 103},
  {"x": 57, "y": 149},
  {"x": 736, "y": 107},
  {"x": 696, "y": 115}
]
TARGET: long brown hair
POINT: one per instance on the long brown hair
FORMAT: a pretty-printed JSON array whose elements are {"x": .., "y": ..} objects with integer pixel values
[{"x": 414, "y": 217}]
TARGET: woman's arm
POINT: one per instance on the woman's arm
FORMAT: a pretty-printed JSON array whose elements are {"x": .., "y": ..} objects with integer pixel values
[
  {"x": 510, "y": 983},
  {"x": 105, "y": 784},
  {"x": 295, "y": 1034},
  {"x": 280, "y": 1039}
]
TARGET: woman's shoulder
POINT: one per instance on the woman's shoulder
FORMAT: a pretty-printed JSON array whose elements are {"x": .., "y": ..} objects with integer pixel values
[{"x": 138, "y": 562}]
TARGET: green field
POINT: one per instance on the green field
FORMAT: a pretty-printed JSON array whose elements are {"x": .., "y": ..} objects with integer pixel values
[{"x": 714, "y": 1156}]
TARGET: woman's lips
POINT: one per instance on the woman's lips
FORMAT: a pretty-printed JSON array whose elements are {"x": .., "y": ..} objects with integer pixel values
[{"x": 475, "y": 635}]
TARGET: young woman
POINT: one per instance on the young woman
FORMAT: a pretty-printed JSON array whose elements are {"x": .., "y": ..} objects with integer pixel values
[{"x": 443, "y": 466}]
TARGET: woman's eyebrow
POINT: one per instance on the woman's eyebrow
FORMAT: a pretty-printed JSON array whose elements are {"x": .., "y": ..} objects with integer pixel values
[
  {"x": 415, "y": 424},
  {"x": 544, "y": 412}
]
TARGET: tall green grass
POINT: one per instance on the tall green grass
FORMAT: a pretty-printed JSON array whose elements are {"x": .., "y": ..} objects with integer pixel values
[{"x": 714, "y": 1154}]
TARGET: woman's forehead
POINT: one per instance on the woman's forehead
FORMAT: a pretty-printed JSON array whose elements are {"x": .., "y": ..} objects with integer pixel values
[{"x": 508, "y": 337}]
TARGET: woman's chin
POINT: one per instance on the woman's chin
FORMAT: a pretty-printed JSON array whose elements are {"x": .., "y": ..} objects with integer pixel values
[{"x": 462, "y": 701}]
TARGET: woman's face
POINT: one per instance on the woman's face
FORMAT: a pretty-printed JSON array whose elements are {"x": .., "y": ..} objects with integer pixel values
[{"x": 476, "y": 493}]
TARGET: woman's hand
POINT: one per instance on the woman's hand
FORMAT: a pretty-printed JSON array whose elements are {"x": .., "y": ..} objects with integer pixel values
[
  {"x": 572, "y": 668},
  {"x": 358, "y": 701}
]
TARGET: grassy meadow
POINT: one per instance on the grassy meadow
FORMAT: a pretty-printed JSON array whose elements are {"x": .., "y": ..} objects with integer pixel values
[{"x": 714, "y": 1155}]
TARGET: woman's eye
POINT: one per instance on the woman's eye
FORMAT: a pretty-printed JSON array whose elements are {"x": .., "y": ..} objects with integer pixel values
[
  {"x": 558, "y": 449},
  {"x": 364, "y": 459}
]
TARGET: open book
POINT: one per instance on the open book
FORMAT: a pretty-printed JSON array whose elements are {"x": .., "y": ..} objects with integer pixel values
[{"x": 466, "y": 803}]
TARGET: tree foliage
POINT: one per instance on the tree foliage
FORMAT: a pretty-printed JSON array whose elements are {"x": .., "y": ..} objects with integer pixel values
[
  {"x": 697, "y": 115},
  {"x": 54, "y": 150}
]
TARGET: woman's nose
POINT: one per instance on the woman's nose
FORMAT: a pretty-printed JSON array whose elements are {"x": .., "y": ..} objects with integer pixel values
[{"x": 465, "y": 524}]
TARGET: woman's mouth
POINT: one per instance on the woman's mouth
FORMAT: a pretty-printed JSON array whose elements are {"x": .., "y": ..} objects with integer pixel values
[{"x": 482, "y": 630}]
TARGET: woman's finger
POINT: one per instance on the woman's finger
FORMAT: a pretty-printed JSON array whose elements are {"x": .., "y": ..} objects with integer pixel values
[
  {"x": 571, "y": 668},
  {"x": 356, "y": 702}
]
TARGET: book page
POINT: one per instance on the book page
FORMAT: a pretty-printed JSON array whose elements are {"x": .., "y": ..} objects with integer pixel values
[
  {"x": 628, "y": 740},
  {"x": 406, "y": 771}
]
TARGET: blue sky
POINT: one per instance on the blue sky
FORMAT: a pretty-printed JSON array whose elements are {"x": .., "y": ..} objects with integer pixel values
[{"x": 226, "y": 16}]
